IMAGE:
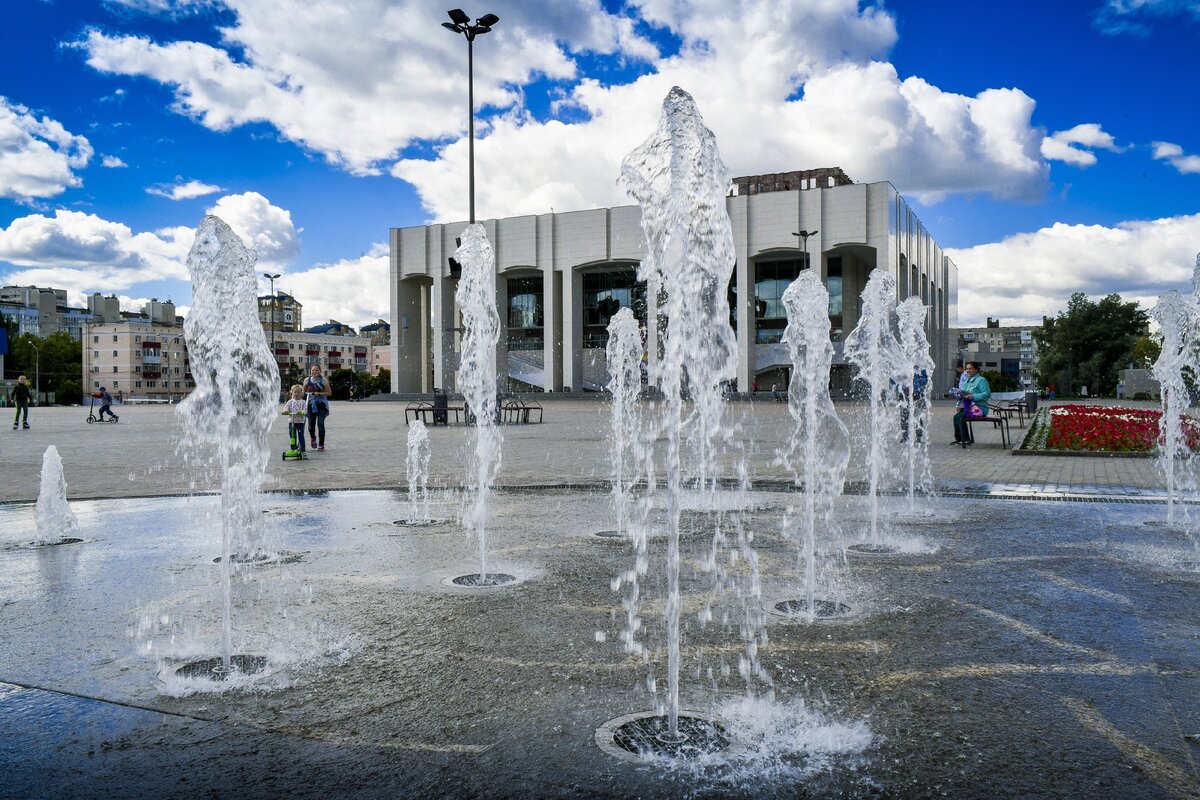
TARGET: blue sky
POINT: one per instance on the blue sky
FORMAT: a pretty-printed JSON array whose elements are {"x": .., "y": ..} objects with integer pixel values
[{"x": 1052, "y": 147}]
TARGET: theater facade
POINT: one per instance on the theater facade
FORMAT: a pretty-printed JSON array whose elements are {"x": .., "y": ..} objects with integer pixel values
[{"x": 560, "y": 277}]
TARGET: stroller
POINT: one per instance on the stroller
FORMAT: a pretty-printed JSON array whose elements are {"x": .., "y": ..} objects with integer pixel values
[{"x": 94, "y": 417}]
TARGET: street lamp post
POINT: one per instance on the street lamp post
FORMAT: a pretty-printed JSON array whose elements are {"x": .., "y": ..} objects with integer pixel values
[
  {"x": 271, "y": 277},
  {"x": 462, "y": 24},
  {"x": 37, "y": 368},
  {"x": 804, "y": 238}
]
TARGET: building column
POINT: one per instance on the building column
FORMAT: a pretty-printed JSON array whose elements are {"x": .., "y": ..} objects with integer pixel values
[
  {"x": 552, "y": 330},
  {"x": 407, "y": 322},
  {"x": 572, "y": 331},
  {"x": 502, "y": 373},
  {"x": 442, "y": 322}
]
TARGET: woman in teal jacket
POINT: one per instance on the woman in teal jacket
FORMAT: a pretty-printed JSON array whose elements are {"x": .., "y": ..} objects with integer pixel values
[{"x": 975, "y": 390}]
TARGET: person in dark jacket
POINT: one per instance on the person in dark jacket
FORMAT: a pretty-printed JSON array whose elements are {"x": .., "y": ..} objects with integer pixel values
[{"x": 21, "y": 397}]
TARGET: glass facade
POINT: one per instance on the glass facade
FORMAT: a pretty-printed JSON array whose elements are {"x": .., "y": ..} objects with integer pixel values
[
  {"x": 525, "y": 314},
  {"x": 833, "y": 283},
  {"x": 606, "y": 293},
  {"x": 771, "y": 278}
]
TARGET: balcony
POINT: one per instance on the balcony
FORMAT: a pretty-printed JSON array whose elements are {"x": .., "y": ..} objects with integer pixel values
[
  {"x": 151, "y": 357},
  {"x": 151, "y": 375}
]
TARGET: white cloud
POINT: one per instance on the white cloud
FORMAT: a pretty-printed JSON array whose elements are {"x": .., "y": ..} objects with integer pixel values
[
  {"x": 358, "y": 82},
  {"x": 112, "y": 162},
  {"x": 83, "y": 253},
  {"x": 1135, "y": 16},
  {"x": 37, "y": 156},
  {"x": 266, "y": 229},
  {"x": 183, "y": 191},
  {"x": 1067, "y": 145},
  {"x": 1030, "y": 275},
  {"x": 362, "y": 290},
  {"x": 1173, "y": 154}
]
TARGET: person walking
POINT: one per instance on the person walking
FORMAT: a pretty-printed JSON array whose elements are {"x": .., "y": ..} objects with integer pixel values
[
  {"x": 21, "y": 397},
  {"x": 319, "y": 391}
]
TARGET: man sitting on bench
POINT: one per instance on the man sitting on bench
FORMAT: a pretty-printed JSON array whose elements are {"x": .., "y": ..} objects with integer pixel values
[{"x": 974, "y": 389}]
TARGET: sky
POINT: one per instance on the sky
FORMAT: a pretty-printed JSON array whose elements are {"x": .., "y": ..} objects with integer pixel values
[{"x": 1050, "y": 147}]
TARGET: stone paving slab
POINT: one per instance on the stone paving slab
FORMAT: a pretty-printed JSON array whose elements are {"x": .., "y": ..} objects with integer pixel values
[{"x": 366, "y": 450}]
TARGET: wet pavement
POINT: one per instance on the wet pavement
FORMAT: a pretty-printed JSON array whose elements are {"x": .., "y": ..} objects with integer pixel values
[{"x": 1012, "y": 648}]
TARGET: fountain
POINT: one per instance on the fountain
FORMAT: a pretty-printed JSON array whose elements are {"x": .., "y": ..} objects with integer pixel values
[
  {"x": 872, "y": 347},
  {"x": 680, "y": 182},
  {"x": 624, "y": 357},
  {"x": 476, "y": 297},
  {"x": 418, "y": 474},
  {"x": 227, "y": 417},
  {"x": 916, "y": 401},
  {"x": 819, "y": 449},
  {"x": 1170, "y": 369},
  {"x": 55, "y": 520}
]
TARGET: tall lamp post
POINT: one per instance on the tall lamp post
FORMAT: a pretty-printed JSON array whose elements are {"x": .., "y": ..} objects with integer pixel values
[
  {"x": 804, "y": 238},
  {"x": 271, "y": 277},
  {"x": 37, "y": 368},
  {"x": 462, "y": 24}
]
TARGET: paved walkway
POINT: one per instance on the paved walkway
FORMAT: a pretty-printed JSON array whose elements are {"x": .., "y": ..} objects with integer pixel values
[{"x": 366, "y": 441}]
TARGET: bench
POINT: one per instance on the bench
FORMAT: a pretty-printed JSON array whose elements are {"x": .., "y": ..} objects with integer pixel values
[
  {"x": 1005, "y": 404},
  {"x": 998, "y": 421},
  {"x": 431, "y": 414}
]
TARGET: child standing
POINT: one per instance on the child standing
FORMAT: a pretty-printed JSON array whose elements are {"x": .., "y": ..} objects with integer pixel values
[{"x": 295, "y": 408}]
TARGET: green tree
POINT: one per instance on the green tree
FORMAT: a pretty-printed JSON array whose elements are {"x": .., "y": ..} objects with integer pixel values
[
  {"x": 340, "y": 381},
  {"x": 383, "y": 381},
  {"x": 292, "y": 375},
  {"x": 1086, "y": 344},
  {"x": 1144, "y": 352},
  {"x": 48, "y": 362},
  {"x": 999, "y": 382}
]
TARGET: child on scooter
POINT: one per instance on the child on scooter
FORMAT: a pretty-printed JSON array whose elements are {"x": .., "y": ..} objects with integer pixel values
[{"x": 295, "y": 409}]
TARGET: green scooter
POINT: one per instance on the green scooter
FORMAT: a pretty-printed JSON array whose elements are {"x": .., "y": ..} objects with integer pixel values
[{"x": 294, "y": 451}]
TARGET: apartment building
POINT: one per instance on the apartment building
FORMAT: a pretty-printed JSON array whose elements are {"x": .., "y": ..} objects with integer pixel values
[
  {"x": 138, "y": 359},
  {"x": 1010, "y": 350},
  {"x": 42, "y": 311}
]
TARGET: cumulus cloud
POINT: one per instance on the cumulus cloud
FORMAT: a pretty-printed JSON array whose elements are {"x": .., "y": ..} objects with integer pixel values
[
  {"x": 1173, "y": 154},
  {"x": 307, "y": 78},
  {"x": 182, "y": 191},
  {"x": 84, "y": 253},
  {"x": 265, "y": 228},
  {"x": 1068, "y": 145},
  {"x": 1135, "y": 17},
  {"x": 112, "y": 162},
  {"x": 38, "y": 157},
  {"x": 1026, "y": 276},
  {"x": 362, "y": 295}
]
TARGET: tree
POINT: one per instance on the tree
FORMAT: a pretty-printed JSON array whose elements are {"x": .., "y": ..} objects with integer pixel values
[
  {"x": 340, "y": 381},
  {"x": 1086, "y": 344},
  {"x": 999, "y": 382},
  {"x": 292, "y": 375},
  {"x": 383, "y": 381},
  {"x": 49, "y": 362},
  {"x": 1144, "y": 352}
]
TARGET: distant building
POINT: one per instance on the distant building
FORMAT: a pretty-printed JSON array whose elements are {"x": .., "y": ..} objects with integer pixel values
[
  {"x": 381, "y": 357},
  {"x": 138, "y": 358},
  {"x": 285, "y": 314},
  {"x": 560, "y": 277},
  {"x": 333, "y": 328},
  {"x": 328, "y": 351},
  {"x": 379, "y": 332},
  {"x": 1010, "y": 350},
  {"x": 42, "y": 311}
]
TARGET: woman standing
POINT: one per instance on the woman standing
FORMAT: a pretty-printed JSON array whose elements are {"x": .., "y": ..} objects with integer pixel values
[{"x": 318, "y": 390}]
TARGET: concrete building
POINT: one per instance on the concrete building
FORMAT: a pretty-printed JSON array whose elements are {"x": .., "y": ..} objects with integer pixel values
[
  {"x": 1010, "y": 350},
  {"x": 328, "y": 351},
  {"x": 42, "y": 311},
  {"x": 561, "y": 276},
  {"x": 138, "y": 359},
  {"x": 286, "y": 314}
]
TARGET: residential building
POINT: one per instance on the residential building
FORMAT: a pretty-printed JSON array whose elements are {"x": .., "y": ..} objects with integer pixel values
[
  {"x": 281, "y": 311},
  {"x": 562, "y": 276},
  {"x": 138, "y": 358},
  {"x": 328, "y": 351},
  {"x": 42, "y": 311},
  {"x": 1010, "y": 350},
  {"x": 379, "y": 332},
  {"x": 381, "y": 357}
]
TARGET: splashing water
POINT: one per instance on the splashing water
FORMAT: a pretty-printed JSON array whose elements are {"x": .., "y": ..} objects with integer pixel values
[
  {"x": 819, "y": 449},
  {"x": 476, "y": 297},
  {"x": 227, "y": 417},
  {"x": 1174, "y": 456},
  {"x": 55, "y": 519},
  {"x": 916, "y": 401},
  {"x": 679, "y": 180},
  {"x": 418, "y": 472},
  {"x": 873, "y": 348},
  {"x": 624, "y": 355}
]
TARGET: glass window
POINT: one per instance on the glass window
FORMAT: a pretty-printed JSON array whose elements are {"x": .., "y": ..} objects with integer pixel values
[
  {"x": 606, "y": 293},
  {"x": 114, "y": 337},
  {"x": 525, "y": 303},
  {"x": 771, "y": 278},
  {"x": 834, "y": 284},
  {"x": 95, "y": 340},
  {"x": 114, "y": 369}
]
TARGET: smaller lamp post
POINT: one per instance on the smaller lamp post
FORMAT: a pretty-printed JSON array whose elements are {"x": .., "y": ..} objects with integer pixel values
[
  {"x": 462, "y": 24},
  {"x": 804, "y": 238},
  {"x": 271, "y": 277}
]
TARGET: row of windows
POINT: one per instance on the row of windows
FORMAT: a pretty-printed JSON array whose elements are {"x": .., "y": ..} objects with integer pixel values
[
  {"x": 137, "y": 338},
  {"x": 116, "y": 385}
]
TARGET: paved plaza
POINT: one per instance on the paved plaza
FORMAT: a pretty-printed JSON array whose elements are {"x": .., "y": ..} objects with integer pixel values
[{"x": 1036, "y": 635}]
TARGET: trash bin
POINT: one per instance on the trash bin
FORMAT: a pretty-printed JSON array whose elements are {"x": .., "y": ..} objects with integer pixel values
[
  {"x": 1031, "y": 401},
  {"x": 440, "y": 403}
]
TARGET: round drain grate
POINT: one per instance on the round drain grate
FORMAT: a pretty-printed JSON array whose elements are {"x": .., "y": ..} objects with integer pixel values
[
  {"x": 214, "y": 668},
  {"x": 419, "y": 523},
  {"x": 477, "y": 581},
  {"x": 640, "y": 736},
  {"x": 824, "y": 609},
  {"x": 262, "y": 558},
  {"x": 64, "y": 540},
  {"x": 872, "y": 549}
]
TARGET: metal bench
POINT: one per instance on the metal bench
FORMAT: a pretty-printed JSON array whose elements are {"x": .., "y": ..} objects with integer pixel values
[{"x": 998, "y": 420}]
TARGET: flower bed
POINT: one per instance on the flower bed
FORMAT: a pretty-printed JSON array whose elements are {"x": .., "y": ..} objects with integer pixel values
[{"x": 1101, "y": 429}]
